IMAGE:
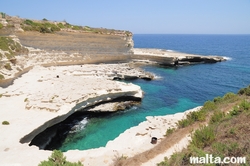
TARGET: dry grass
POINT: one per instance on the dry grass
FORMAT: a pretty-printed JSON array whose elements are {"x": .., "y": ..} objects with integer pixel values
[{"x": 233, "y": 132}]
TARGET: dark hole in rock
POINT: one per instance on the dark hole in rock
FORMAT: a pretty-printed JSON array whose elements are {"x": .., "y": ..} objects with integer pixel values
[{"x": 153, "y": 140}]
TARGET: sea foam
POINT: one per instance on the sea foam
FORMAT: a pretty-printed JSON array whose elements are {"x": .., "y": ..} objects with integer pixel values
[{"x": 227, "y": 58}]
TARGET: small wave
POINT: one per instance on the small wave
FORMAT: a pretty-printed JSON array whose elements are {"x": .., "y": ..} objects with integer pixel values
[
  {"x": 134, "y": 108},
  {"x": 227, "y": 58},
  {"x": 171, "y": 51},
  {"x": 79, "y": 126},
  {"x": 156, "y": 77}
]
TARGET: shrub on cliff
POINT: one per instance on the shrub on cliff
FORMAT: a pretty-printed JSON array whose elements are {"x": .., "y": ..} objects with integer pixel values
[
  {"x": 57, "y": 159},
  {"x": 5, "y": 123},
  {"x": 7, "y": 66},
  {"x": 1, "y": 26},
  {"x": 13, "y": 48},
  {"x": 44, "y": 27},
  {"x": 1, "y": 77},
  {"x": 75, "y": 27},
  {"x": 193, "y": 117},
  {"x": 245, "y": 91},
  {"x": 3, "y": 14}
]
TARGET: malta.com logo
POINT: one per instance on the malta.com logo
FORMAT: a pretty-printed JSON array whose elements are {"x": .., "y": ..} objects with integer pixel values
[{"x": 210, "y": 159}]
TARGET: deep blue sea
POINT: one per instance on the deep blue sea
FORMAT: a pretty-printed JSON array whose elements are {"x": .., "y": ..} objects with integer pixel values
[{"x": 177, "y": 89}]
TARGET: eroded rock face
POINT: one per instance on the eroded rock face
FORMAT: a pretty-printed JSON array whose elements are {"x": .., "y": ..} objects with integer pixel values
[
  {"x": 81, "y": 43},
  {"x": 63, "y": 48}
]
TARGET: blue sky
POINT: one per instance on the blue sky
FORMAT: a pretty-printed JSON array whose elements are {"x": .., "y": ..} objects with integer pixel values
[{"x": 141, "y": 16}]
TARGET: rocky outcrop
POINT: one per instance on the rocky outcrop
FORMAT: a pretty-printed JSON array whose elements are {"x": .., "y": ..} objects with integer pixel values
[
  {"x": 170, "y": 58},
  {"x": 131, "y": 91},
  {"x": 55, "y": 93}
]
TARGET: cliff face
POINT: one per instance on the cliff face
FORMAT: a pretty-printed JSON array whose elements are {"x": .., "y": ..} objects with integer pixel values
[
  {"x": 84, "y": 44},
  {"x": 66, "y": 46}
]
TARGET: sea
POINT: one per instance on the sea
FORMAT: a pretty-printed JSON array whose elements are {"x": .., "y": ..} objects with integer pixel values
[{"x": 175, "y": 89}]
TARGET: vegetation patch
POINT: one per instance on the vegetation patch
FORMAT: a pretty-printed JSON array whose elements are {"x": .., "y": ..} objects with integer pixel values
[
  {"x": 245, "y": 91},
  {"x": 3, "y": 14},
  {"x": 11, "y": 47},
  {"x": 203, "y": 136},
  {"x": 169, "y": 131},
  {"x": 1, "y": 77},
  {"x": 193, "y": 117},
  {"x": 5, "y": 123},
  {"x": 58, "y": 159},
  {"x": 43, "y": 27},
  {"x": 7, "y": 66},
  {"x": 226, "y": 135}
]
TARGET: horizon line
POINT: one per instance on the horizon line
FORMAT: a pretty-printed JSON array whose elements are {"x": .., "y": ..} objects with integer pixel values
[{"x": 191, "y": 34}]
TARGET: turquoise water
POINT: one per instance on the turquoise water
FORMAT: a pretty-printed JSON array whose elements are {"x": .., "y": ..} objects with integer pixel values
[{"x": 177, "y": 89}]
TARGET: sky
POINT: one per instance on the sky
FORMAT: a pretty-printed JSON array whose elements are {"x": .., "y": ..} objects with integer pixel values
[{"x": 141, "y": 16}]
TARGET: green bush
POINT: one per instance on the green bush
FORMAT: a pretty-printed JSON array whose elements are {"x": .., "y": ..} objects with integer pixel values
[
  {"x": 183, "y": 123},
  {"x": 29, "y": 22},
  {"x": 1, "y": 77},
  {"x": 7, "y": 44},
  {"x": 7, "y": 66},
  {"x": 57, "y": 159},
  {"x": 67, "y": 25},
  {"x": 217, "y": 99},
  {"x": 209, "y": 106},
  {"x": 244, "y": 91},
  {"x": 176, "y": 159},
  {"x": 216, "y": 117},
  {"x": 169, "y": 131},
  {"x": 44, "y": 27},
  {"x": 3, "y": 14},
  {"x": 5, "y": 123},
  {"x": 197, "y": 116},
  {"x": 229, "y": 96},
  {"x": 60, "y": 25},
  {"x": 76, "y": 27},
  {"x": 1, "y": 26},
  {"x": 234, "y": 112},
  {"x": 245, "y": 105},
  {"x": 203, "y": 136},
  {"x": 4, "y": 43},
  {"x": 192, "y": 117}
]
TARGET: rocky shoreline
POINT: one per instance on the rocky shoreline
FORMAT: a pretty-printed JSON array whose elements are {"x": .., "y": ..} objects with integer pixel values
[
  {"x": 43, "y": 87},
  {"x": 44, "y": 97}
]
